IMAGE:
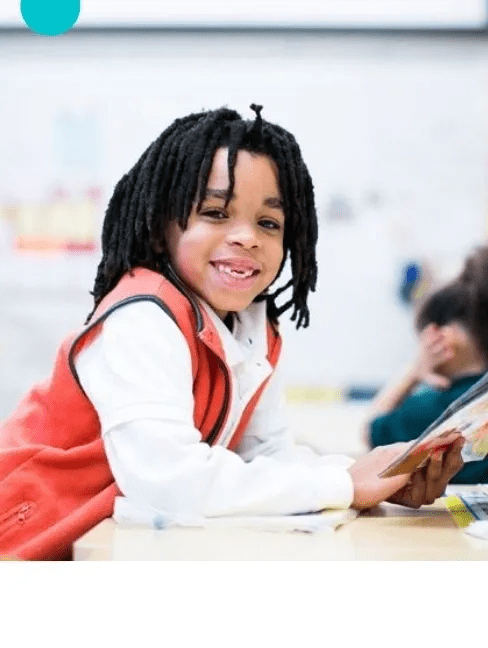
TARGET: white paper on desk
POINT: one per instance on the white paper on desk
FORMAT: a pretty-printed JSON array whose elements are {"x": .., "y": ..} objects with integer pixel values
[
  {"x": 307, "y": 523},
  {"x": 478, "y": 529},
  {"x": 127, "y": 513}
]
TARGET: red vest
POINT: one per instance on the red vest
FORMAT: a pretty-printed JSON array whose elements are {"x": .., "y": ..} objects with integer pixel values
[{"x": 55, "y": 482}]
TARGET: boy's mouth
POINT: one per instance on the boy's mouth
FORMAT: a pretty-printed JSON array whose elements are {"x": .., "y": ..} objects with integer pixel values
[{"x": 237, "y": 268}]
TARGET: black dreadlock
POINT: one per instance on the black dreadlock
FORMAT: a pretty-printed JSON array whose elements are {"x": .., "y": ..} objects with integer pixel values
[{"x": 172, "y": 174}]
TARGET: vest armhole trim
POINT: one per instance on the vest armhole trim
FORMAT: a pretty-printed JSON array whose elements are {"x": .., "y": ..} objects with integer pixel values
[
  {"x": 176, "y": 281},
  {"x": 103, "y": 317}
]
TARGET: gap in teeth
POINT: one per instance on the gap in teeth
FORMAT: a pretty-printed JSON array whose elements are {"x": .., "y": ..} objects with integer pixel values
[{"x": 242, "y": 274}]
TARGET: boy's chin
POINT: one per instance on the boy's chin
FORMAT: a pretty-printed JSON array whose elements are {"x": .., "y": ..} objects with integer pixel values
[
  {"x": 224, "y": 308},
  {"x": 234, "y": 304}
]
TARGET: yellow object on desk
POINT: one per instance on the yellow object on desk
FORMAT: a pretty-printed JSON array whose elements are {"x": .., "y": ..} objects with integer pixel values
[{"x": 460, "y": 514}]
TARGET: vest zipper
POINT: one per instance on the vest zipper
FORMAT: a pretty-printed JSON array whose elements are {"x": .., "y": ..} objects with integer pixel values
[
  {"x": 17, "y": 516},
  {"x": 24, "y": 512}
]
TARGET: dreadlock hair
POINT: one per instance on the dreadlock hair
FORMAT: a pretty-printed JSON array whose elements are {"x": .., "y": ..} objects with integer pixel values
[{"x": 172, "y": 175}]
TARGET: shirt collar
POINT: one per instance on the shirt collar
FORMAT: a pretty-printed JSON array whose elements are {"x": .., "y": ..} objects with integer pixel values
[{"x": 248, "y": 339}]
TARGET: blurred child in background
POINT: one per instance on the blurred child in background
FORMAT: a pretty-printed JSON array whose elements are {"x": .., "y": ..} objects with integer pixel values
[{"x": 452, "y": 355}]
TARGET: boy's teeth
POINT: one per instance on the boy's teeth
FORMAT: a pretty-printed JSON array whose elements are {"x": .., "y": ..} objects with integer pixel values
[{"x": 242, "y": 274}]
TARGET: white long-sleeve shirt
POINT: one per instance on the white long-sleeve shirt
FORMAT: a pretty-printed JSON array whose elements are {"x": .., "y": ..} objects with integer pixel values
[{"x": 138, "y": 375}]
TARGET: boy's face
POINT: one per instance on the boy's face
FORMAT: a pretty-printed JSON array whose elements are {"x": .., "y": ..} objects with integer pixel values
[{"x": 229, "y": 255}]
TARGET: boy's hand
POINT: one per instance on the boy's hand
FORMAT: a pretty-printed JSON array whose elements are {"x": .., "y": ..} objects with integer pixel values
[
  {"x": 428, "y": 483},
  {"x": 434, "y": 351},
  {"x": 413, "y": 490},
  {"x": 369, "y": 489}
]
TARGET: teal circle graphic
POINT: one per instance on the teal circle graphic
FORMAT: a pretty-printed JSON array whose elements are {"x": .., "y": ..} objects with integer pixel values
[{"x": 50, "y": 17}]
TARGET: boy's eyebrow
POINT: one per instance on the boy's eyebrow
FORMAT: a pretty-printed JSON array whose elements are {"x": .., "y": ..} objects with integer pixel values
[
  {"x": 273, "y": 202},
  {"x": 216, "y": 193}
]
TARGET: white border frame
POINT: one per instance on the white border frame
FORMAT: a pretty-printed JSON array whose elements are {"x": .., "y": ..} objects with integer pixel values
[{"x": 340, "y": 14}]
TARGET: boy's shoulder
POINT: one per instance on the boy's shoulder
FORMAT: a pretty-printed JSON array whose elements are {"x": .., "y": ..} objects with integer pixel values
[{"x": 144, "y": 284}]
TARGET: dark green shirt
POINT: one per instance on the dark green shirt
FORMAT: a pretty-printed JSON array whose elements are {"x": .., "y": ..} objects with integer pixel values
[{"x": 416, "y": 413}]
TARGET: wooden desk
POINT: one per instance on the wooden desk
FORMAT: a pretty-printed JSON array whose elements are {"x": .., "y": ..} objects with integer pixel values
[{"x": 387, "y": 532}]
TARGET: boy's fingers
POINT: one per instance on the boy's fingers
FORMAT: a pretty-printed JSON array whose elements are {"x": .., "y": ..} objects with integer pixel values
[
  {"x": 433, "y": 477},
  {"x": 453, "y": 461},
  {"x": 426, "y": 485},
  {"x": 434, "y": 467},
  {"x": 417, "y": 490},
  {"x": 440, "y": 470}
]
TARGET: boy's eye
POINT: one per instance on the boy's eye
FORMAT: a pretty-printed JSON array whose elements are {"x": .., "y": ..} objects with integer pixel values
[
  {"x": 214, "y": 213},
  {"x": 268, "y": 223}
]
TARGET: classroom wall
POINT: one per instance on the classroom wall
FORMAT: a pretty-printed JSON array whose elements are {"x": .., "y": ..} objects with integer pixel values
[{"x": 393, "y": 128}]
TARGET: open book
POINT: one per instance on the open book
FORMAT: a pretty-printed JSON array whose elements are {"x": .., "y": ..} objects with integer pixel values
[{"x": 468, "y": 416}]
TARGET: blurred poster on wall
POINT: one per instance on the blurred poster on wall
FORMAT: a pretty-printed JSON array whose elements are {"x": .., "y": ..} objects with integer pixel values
[{"x": 62, "y": 210}]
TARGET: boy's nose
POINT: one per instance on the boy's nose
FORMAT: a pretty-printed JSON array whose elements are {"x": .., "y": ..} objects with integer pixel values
[{"x": 243, "y": 235}]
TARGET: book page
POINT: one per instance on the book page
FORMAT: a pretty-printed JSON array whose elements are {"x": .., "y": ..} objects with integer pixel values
[{"x": 466, "y": 416}]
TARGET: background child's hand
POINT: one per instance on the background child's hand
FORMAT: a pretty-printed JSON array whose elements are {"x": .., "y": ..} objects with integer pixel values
[{"x": 434, "y": 351}]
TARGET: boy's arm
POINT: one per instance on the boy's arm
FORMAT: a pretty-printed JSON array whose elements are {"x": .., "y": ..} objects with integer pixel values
[{"x": 138, "y": 375}]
